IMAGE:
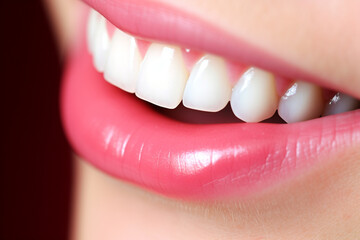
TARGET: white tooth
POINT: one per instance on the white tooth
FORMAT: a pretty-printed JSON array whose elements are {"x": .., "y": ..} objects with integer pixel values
[
  {"x": 93, "y": 21},
  {"x": 254, "y": 97},
  {"x": 101, "y": 45},
  {"x": 162, "y": 76},
  {"x": 208, "y": 87},
  {"x": 302, "y": 101},
  {"x": 341, "y": 103},
  {"x": 123, "y": 63}
]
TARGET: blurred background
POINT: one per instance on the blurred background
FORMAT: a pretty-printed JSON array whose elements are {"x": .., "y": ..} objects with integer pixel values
[{"x": 35, "y": 158}]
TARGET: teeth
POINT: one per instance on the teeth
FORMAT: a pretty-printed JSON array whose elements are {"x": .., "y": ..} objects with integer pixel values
[
  {"x": 208, "y": 87},
  {"x": 101, "y": 44},
  {"x": 303, "y": 101},
  {"x": 254, "y": 97},
  {"x": 93, "y": 21},
  {"x": 123, "y": 63},
  {"x": 162, "y": 76},
  {"x": 162, "y": 79},
  {"x": 341, "y": 103}
]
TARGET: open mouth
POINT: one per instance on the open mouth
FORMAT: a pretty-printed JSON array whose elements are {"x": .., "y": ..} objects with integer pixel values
[
  {"x": 200, "y": 125},
  {"x": 167, "y": 75}
]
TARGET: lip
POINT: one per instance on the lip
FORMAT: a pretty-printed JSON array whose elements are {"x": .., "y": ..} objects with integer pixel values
[{"x": 122, "y": 136}]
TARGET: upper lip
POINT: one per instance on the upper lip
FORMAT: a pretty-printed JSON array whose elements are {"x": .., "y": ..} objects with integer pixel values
[
  {"x": 128, "y": 140},
  {"x": 160, "y": 22}
]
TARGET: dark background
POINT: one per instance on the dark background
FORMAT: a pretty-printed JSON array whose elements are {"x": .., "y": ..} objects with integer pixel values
[{"x": 35, "y": 159}]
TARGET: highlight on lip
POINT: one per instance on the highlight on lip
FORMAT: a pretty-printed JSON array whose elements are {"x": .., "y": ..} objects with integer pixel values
[{"x": 162, "y": 75}]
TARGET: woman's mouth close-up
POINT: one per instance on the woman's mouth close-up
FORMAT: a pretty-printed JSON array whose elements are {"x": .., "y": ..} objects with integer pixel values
[{"x": 165, "y": 100}]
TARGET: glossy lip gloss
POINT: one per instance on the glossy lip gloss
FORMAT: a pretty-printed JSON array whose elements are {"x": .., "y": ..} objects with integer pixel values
[{"x": 122, "y": 136}]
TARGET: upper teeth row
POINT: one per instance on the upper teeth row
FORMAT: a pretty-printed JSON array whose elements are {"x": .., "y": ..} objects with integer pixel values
[{"x": 162, "y": 78}]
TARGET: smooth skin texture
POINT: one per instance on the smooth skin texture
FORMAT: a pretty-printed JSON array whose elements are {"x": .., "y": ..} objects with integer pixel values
[{"x": 319, "y": 37}]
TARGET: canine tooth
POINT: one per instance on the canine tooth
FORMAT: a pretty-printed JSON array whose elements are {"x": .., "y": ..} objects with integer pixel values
[
  {"x": 208, "y": 87},
  {"x": 101, "y": 45},
  {"x": 341, "y": 103},
  {"x": 254, "y": 96},
  {"x": 302, "y": 101},
  {"x": 93, "y": 21},
  {"x": 123, "y": 63},
  {"x": 162, "y": 76}
]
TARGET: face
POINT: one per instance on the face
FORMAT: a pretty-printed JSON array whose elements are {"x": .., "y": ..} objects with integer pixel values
[{"x": 281, "y": 161}]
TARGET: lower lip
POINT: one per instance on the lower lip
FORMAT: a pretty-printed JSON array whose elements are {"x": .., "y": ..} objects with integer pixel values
[{"x": 122, "y": 136}]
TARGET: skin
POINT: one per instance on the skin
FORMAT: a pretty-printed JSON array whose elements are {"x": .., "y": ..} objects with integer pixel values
[
  {"x": 62, "y": 15},
  {"x": 322, "y": 204}
]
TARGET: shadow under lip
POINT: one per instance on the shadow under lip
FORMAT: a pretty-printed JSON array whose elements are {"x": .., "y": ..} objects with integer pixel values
[{"x": 191, "y": 116}]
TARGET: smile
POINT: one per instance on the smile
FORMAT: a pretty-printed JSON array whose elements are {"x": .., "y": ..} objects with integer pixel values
[{"x": 238, "y": 145}]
